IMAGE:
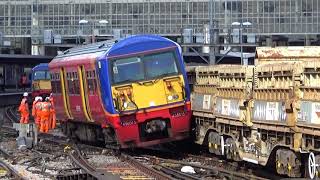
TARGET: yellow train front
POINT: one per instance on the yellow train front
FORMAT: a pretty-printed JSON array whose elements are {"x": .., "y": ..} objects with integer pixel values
[
  {"x": 41, "y": 80},
  {"x": 131, "y": 93}
]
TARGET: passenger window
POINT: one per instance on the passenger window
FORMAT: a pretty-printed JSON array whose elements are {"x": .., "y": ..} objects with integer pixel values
[
  {"x": 70, "y": 83},
  {"x": 92, "y": 85},
  {"x": 55, "y": 83},
  {"x": 58, "y": 83},
  {"x": 76, "y": 83}
]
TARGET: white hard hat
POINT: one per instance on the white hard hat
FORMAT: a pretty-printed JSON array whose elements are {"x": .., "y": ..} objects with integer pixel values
[
  {"x": 37, "y": 98},
  {"x": 47, "y": 98},
  {"x": 40, "y": 98},
  {"x": 25, "y": 94}
]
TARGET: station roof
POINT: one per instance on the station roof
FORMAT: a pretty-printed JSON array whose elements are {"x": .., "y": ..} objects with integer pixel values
[{"x": 24, "y": 59}]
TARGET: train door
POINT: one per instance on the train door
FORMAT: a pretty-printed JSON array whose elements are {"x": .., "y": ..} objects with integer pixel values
[
  {"x": 65, "y": 101},
  {"x": 94, "y": 97},
  {"x": 60, "y": 106},
  {"x": 73, "y": 93},
  {"x": 84, "y": 93}
]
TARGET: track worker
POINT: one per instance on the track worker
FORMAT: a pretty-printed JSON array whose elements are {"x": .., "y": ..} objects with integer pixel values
[
  {"x": 45, "y": 115},
  {"x": 52, "y": 122},
  {"x": 36, "y": 110},
  {"x": 24, "y": 109}
]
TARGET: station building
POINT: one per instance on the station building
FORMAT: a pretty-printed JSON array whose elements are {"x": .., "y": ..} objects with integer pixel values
[{"x": 45, "y": 27}]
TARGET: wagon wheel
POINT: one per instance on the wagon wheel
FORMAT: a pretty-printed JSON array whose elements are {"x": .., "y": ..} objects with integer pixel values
[
  {"x": 231, "y": 149},
  {"x": 222, "y": 145},
  {"x": 312, "y": 165},
  {"x": 216, "y": 143}
]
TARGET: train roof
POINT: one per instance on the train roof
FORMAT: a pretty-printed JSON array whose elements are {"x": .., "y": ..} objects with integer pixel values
[
  {"x": 123, "y": 46},
  {"x": 41, "y": 67}
]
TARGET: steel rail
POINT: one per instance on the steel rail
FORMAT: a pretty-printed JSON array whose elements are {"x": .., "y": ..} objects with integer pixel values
[
  {"x": 221, "y": 171},
  {"x": 12, "y": 171},
  {"x": 79, "y": 160},
  {"x": 177, "y": 174},
  {"x": 143, "y": 168},
  {"x": 5, "y": 153}
]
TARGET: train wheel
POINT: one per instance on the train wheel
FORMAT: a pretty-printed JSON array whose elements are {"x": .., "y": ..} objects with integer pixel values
[
  {"x": 288, "y": 163},
  {"x": 312, "y": 166},
  {"x": 231, "y": 150},
  {"x": 215, "y": 144},
  {"x": 64, "y": 128}
]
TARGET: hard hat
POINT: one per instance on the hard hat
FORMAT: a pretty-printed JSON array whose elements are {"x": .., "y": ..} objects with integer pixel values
[
  {"x": 47, "y": 98},
  {"x": 40, "y": 98},
  {"x": 25, "y": 94}
]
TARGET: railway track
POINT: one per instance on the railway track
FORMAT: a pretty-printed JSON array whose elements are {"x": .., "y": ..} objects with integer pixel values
[
  {"x": 10, "y": 114},
  {"x": 134, "y": 166},
  {"x": 7, "y": 171}
]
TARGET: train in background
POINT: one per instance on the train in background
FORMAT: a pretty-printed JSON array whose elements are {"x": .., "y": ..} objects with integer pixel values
[
  {"x": 131, "y": 93},
  {"x": 40, "y": 78},
  {"x": 267, "y": 114}
]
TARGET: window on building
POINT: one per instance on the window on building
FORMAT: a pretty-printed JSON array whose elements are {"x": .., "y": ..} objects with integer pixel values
[
  {"x": 281, "y": 19},
  {"x": 306, "y": 9},
  {"x": 268, "y": 6},
  {"x": 233, "y": 6}
]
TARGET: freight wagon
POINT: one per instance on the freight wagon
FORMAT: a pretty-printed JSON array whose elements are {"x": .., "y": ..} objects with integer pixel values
[{"x": 267, "y": 114}]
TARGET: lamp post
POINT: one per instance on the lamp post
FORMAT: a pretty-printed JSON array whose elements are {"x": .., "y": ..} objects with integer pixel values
[
  {"x": 242, "y": 24},
  {"x": 102, "y": 22}
]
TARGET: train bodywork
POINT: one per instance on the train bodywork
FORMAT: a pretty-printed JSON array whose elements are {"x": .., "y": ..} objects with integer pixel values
[
  {"x": 266, "y": 114},
  {"x": 40, "y": 78},
  {"x": 133, "y": 93}
]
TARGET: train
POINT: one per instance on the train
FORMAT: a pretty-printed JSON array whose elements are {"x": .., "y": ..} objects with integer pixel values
[
  {"x": 266, "y": 114},
  {"x": 40, "y": 78},
  {"x": 127, "y": 93}
]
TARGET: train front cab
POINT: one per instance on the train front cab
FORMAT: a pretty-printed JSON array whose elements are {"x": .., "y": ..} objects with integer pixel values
[
  {"x": 150, "y": 96},
  {"x": 40, "y": 80}
]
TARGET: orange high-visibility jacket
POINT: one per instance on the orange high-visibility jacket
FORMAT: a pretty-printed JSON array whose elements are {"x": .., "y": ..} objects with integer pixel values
[
  {"x": 52, "y": 104},
  {"x": 34, "y": 107},
  {"x": 45, "y": 109},
  {"x": 24, "y": 108},
  {"x": 37, "y": 109}
]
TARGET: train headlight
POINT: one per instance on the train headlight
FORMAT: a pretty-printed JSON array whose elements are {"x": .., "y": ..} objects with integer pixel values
[
  {"x": 173, "y": 97},
  {"x": 125, "y": 105}
]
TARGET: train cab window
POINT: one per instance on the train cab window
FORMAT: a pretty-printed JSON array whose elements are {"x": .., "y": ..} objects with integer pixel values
[{"x": 92, "y": 84}]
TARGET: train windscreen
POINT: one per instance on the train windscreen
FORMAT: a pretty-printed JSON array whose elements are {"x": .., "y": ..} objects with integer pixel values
[
  {"x": 41, "y": 75},
  {"x": 144, "y": 67}
]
